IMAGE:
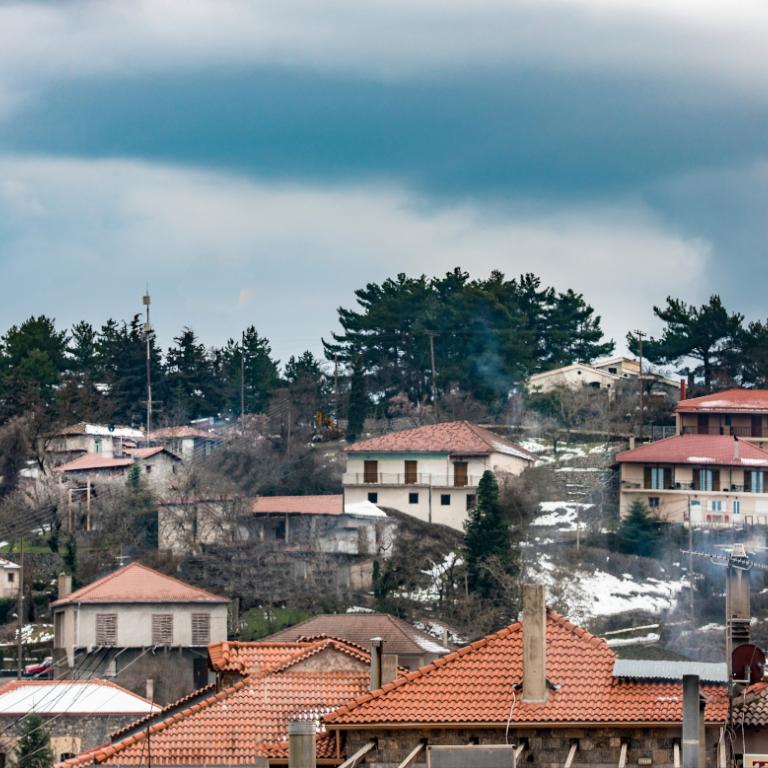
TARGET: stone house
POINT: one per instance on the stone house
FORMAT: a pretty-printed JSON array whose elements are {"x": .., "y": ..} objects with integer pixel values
[
  {"x": 244, "y": 719},
  {"x": 138, "y": 625},
  {"x": 78, "y": 714},
  {"x": 543, "y": 692},
  {"x": 187, "y": 442},
  {"x": 711, "y": 480},
  {"x": 157, "y": 464},
  {"x": 412, "y": 647},
  {"x": 82, "y": 438},
  {"x": 429, "y": 472}
]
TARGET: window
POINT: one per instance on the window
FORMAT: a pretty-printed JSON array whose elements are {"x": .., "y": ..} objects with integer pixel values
[
  {"x": 371, "y": 472},
  {"x": 162, "y": 629},
  {"x": 147, "y": 468},
  {"x": 201, "y": 628},
  {"x": 373, "y": 497},
  {"x": 715, "y": 506},
  {"x": 736, "y": 507},
  {"x": 705, "y": 480},
  {"x": 460, "y": 474},
  {"x": 471, "y": 500},
  {"x": 445, "y": 499},
  {"x": 657, "y": 478},
  {"x": 613, "y": 370},
  {"x": 11, "y": 576},
  {"x": 755, "y": 481},
  {"x": 653, "y": 502},
  {"x": 413, "y": 498},
  {"x": 411, "y": 472},
  {"x": 106, "y": 629},
  {"x": 280, "y": 530}
]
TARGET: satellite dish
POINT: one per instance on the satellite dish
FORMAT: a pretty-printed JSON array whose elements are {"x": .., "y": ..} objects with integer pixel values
[{"x": 747, "y": 663}]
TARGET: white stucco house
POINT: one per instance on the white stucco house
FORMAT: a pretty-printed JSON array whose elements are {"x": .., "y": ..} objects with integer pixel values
[{"x": 429, "y": 472}]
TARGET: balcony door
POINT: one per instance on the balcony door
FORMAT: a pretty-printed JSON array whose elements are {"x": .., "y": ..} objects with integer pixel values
[
  {"x": 702, "y": 424},
  {"x": 460, "y": 477},
  {"x": 371, "y": 472},
  {"x": 411, "y": 472},
  {"x": 757, "y": 425}
]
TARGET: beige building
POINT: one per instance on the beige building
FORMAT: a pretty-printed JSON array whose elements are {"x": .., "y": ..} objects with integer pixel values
[
  {"x": 429, "y": 472},
  {"x": 84, "y": 438},
  {"x": 137, "y": 612},
  {"x": 9, "y": 579},
  {"x": 711, "y": 480}
]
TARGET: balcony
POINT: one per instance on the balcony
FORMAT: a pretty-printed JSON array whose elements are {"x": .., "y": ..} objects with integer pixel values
[
  {"x": 725, "y": 429},
  {"x": 627, "y": 485},
  {"x": 418, "y": 479}
]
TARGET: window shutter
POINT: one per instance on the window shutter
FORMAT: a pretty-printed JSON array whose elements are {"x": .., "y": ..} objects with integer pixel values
[
  {"x": 667, "y": 477},
  {"x": 715, "y": 479},
  {"x": 201, "y": 628},
  {"x": 106, "y": 629},
  {"x": 162, "y": 629},
  {"x": 646, "y": 477},
  {"x": 696, "y": 479},
  {"x": 747, "y": 480}
]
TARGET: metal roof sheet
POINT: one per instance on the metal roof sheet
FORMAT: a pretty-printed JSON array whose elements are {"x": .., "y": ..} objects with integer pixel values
[{"x": 651, "y": 669}]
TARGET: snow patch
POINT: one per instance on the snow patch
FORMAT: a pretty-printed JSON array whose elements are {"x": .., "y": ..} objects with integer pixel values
[{"x": 563, "y": 515}]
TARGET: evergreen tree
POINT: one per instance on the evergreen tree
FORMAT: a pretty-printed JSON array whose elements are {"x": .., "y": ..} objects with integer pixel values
[
  {"x": 83, "y": 353},
  {"x": 707, "y": 333},
  {"x": 639, "y": 532},
  {"x": 33, "y": 749},
  {"x": 261, "y": 373},
  {"x": 191, "y": 383},
  {"x": 486, "y": 536},
  {"x": 358, "y": 405}
]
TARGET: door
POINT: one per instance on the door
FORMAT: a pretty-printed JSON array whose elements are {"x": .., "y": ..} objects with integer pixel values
[
  {"x": 460, "y": 474},
  {"x": 411, "y": 472},
  {"x": 757, "y": 425},
  {"x": 703, "y": 424},
  {"x": 371, "y": 472}
]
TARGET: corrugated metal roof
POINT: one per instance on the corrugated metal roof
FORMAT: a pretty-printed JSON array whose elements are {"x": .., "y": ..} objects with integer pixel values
[{"x": 651, "y": 669}]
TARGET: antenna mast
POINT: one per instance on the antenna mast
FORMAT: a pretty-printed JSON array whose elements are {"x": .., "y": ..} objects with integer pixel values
[{"x": 147, "y": 334}]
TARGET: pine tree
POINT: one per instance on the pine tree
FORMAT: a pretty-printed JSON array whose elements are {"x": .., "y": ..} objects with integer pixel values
[
  {"x": 33, "y": 749},
  {"x": 638, "y": 532},
  {"x": 358, "y": 405},
  {"x": 191, "y": 382},
  {"x": 486, "y": 536}
]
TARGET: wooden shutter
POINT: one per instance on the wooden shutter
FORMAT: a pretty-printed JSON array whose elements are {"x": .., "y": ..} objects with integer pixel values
[
  {"x": 715, "y": 479},
  {"x": 696, "y": 479},
  {"x": 667, "y": 477},
  {"x": 757, "y": 426},
  {"x": 460, "y": 477},
  {"x": 411, "y": 472},
  {"x": 201, "y": 628},
  {"x": 646, "y": 477},
  {"x": 747, "y": 480},
  {"x": 106, "y": 629},
  {"x": 371, "y": 472},
  {"x": 162, "y": 629}
]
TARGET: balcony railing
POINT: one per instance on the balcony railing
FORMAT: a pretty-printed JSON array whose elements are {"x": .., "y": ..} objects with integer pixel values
[
  {"x": 401, "y": 478},
  {"x": 722, "y": 430},
  {"x": 733, "y": 488}
]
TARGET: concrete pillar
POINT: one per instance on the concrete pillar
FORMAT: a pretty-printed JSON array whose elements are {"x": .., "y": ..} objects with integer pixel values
[
  {"x": 301, "y": 744},
  {"x": 388, "y": 667},
  {"x": 534, "y": 644},
  {"x": 65, "y": 585},
  {"x": 691, "y": 722}
]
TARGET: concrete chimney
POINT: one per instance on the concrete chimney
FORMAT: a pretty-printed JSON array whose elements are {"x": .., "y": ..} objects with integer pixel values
[
  {"x": 388, "y": 668},
  {"x": 377, "y": 651},
  {"x": 692, "y": 718},
  {"x": 534, "y": 644},
  {"x": 301, "y": 744},
  {"x": 683, "y": 390},
  {"x": 150, "y": 689},
  {"x": 632, "y": 441},
  {"x": 65, "y": 585}
]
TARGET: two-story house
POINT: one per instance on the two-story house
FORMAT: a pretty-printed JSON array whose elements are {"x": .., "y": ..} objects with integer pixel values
[
  {"x": 83, "y": 438},
  {"x": 707, "y": 479},
  {"x": 135, "y": 625},
  {"x": 742, "y": 413},
  {"x": 429, "y": 472},
  {"x": 187, "y": 442}
]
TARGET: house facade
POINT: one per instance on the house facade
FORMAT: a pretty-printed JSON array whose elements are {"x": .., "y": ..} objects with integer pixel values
[
  {"x": 84, "y": 438},
  {"x": 707, "y": 479},
  {"x": 135, "y": 625},
  {"x": 157, "y": 465},
  {"x": 429, "y": 472},
  {"x": 9, "y": 579},
  {"x": 189, "y": 443},
  {"x": 742, "y": 413},
  {"x": 77, "y": 714}
]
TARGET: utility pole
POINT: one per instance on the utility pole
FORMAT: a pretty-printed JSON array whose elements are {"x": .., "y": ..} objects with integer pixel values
[
  {"x": 20, "y": 615},
  {"x": 336, "y": 387},
  {"x": 242, "y": 378},
  {"x": 147, "y": 336},
  {"x": 432, "y": 335},
  {"x": 640, "y": 335}
]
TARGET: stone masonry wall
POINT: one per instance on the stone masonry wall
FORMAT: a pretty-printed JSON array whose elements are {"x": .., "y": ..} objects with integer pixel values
[{"x": 547, "y": 748}]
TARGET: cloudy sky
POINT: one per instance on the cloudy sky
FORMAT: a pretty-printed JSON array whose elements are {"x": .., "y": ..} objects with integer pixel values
[{"x": 255, "y": 162}]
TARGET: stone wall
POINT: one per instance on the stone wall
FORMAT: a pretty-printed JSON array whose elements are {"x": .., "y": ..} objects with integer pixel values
[{"x": 546, "y": 748}]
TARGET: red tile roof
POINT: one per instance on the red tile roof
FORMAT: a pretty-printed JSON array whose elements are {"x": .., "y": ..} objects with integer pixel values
[
  {"x": 249, "y": 719},
  {"x": 718, "y": 450},
  {"x": 399, "y": 636},
  {"x": 727, "y": 401},
  {"x": 477, "y": 684},
  {"x": 303, "y": 505},
  {"x": 92, "y": 461},
  {"x": 182, "y": 432},
  {"x": 453, "y": 437},
  {"x": 751, "y": 709},
  {"x": 148, "y": 453},
  {"x": 136, "y": 583},
  {"x": 251, "y": 658}
]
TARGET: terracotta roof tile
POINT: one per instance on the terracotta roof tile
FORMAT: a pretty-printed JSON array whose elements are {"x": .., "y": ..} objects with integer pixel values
[
  {"x": 453, "y": 437},
  {"x": 136, "y": 583},
  {"x": 307, "y": 505},
  {"x": 91, "y": 461},
  {"x": 729, "y": 400},
  {"x": 477, "y": 684},
  {"x": 751, "y": 709},
  {"x": 717, "y": 450},
  {"x": 148, "y": 453},
  {"x": 248, "y": 720}
]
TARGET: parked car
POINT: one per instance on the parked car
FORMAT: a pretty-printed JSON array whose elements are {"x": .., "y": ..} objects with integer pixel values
[{"x": 39, "y": 668}]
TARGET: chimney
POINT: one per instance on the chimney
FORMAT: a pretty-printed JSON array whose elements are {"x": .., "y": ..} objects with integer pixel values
[
  {"x": 388, "y": 668},
  {"x": 65, "y": 585},
  {"x": 736, "y": 449},
  {"x": 534, "y": 644},
  {"x": 691, "y": 722},
  {"x": 377, "y": 651},
  {"x": 631, "y": 442},
  {"x": 150, "y": 689},
  {"x": 301, "y": 744},
  {"x": 683, "y": 390}
]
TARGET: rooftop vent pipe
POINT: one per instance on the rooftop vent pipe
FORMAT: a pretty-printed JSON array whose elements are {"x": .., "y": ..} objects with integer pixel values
[{"x": 534, "y": 644}]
